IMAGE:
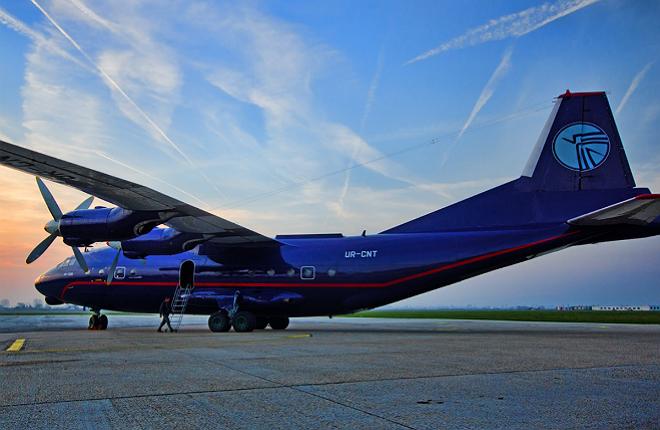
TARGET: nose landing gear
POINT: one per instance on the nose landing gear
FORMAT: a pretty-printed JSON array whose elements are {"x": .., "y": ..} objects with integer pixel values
[{"x": 97, "y": 321}]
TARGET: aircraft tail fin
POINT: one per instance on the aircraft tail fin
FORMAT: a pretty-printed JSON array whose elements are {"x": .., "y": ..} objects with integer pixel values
[
  {"x": 579, "y": 148},
  {"x": 578, "y": 166}
]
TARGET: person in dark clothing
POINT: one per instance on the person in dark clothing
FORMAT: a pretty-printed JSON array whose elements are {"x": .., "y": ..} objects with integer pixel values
[{"x": 165, "y": 311}]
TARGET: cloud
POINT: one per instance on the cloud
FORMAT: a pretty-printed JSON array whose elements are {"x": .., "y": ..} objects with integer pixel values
[
  {"x": 110, "y": 60},
  {"x": 513, "y": 25},
  {"x": 277, "y": 70},
  {"x": 633, "y": 86},
  {"x": 37, "y": 37}
]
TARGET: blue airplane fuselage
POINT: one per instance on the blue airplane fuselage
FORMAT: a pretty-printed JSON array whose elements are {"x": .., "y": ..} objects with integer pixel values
[{"x": 315, "y": 275}]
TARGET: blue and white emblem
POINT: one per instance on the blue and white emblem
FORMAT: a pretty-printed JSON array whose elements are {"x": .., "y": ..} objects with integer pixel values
[{"x": 581, "y": 146}]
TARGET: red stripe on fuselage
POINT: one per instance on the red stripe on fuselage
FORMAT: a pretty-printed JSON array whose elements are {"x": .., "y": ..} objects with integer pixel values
[{"x": 330, "y": 284}]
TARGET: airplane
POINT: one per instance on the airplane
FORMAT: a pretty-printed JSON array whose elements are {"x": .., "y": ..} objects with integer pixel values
[{"x": 577, "y": 188}]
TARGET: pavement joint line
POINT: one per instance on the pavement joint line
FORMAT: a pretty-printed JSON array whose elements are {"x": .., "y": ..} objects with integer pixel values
[
  {"x": 297, "y": 389},
  {"x": 294, "y": 386},
  {"x": 17, "y": 345}
]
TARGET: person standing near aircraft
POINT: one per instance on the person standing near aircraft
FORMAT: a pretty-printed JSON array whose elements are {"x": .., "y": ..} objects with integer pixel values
[{"x": 165, "y": 311}]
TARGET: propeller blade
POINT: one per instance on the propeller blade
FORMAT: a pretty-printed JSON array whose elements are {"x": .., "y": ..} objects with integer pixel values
[
  {"x": 39, "y": 249},
  {"x": 81, "y": 260},
  {"x": 49, "y": 199},
  {"x": 85, "y": 204},
  {"x": 113, "y": 267}
]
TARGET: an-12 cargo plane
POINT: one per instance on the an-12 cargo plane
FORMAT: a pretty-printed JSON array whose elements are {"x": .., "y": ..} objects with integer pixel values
[{"x": 577, "y": 188}]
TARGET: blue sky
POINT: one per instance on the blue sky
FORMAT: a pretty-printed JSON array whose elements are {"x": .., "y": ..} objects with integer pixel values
[{"x": 255, "y": 110}]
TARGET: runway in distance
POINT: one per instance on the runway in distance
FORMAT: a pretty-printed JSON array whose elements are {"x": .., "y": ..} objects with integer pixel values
[{"x": 577, "y": 188}]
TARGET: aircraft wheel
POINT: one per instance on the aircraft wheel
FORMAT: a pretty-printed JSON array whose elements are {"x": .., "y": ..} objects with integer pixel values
[
  {"x": 93, "y": 322},
  {"x": 219, "y": 322},
  {"x": 244, "y": 322},
  {"x": 102, "y": 322},
  {"x": 262, "y": 322},
  {"x": 279, "y": 323}
]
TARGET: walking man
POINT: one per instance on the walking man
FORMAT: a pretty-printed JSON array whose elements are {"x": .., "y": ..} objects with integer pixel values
[{"x": 165, "y": 311}]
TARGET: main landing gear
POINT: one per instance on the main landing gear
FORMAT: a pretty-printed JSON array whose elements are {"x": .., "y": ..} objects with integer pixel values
[
  {"x": 97, "y": 321},
  {"x": 244, "y": 322}
]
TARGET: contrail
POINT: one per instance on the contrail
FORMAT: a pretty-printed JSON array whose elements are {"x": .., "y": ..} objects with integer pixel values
[
  {"x": 513, "y": 25},
  {"x": 143, "y": 173},
  {"x": 116, "y": 86},
  {"x": 633, "y": 86},
  {"x": 489, "y": 89},
  {"x": 371, "y": 95},
  {"x": 23, "y": 29},
  {"x": 486, "y": 93}
]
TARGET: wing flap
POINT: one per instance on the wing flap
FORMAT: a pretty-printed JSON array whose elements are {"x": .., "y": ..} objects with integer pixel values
[{"x": 640, "y": 210}]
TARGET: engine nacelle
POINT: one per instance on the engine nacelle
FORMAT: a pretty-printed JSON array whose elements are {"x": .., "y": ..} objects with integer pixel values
[
  {"x": 161, "y": 241},
  {"x": 84, "y": 227}
]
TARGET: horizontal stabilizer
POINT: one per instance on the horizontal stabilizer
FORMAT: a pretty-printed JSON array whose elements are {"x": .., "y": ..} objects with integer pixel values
[{"x": 640, "y": 210}]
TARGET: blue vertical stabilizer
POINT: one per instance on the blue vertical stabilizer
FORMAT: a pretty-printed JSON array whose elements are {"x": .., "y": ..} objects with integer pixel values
[{"x": 578, "y": 165}]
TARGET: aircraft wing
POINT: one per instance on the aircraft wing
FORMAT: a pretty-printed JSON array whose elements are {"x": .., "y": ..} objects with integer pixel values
[
  {"x": 128, "y": 195},
  {"x": 640, "y": 210}
]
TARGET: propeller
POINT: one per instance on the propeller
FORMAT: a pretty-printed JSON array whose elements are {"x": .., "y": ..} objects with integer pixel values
[
  {"x": 111, "y": 272},
  {"x": 53, "y": 226}
]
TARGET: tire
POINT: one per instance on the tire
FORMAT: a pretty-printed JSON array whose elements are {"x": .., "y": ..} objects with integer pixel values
[
  {"x": 244, "y": 322},
  {"x": 93, "y": 322},
  {"x": 219, "y": 322},
  {"x": 103, "y": 322},
  {"x": 279, "y": 323},
  {"x": 262, "y": 323}
]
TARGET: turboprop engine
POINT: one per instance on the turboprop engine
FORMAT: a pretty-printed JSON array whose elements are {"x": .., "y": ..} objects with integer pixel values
[{"x": 84, "y": 226}]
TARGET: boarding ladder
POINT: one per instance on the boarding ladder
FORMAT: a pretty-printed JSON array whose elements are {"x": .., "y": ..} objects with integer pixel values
[{"x": 179, "y": 304}]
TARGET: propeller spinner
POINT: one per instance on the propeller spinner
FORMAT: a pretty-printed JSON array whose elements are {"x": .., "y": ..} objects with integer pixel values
[{"x": 52, "y": 227}]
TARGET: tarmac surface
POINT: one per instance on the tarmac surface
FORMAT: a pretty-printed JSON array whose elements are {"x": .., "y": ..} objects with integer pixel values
[{"x": 345, "y": 373}]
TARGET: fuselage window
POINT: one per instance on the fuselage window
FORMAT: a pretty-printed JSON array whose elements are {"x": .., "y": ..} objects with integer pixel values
[
  {"x": 133, "y": 272},
  {"x": 120, "y": 272},
  {"x": 332, "y": 272},
  {"x": 307, "y": 272}
]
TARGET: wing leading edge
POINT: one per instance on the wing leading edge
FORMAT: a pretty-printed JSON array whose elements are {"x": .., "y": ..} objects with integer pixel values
[
  {"x": 128, "y": 195},
  {"x": 640, "y": 210}
]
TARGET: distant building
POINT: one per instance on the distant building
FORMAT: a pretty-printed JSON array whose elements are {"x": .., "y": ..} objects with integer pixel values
[
  {"x": 574, "y": 308},
  {"x": 623, "y": 308},
  {"x": 636, "y": 308}
]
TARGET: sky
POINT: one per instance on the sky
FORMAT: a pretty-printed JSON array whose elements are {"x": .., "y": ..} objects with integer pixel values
[{"x": 328, "y": 116}]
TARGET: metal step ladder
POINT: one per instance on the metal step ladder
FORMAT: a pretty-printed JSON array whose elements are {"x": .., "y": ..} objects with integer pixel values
[{"x": 179, "y": 304}]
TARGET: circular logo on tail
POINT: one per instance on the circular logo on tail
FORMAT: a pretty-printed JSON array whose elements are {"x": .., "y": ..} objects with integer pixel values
[{"x": 581, "y": 146}]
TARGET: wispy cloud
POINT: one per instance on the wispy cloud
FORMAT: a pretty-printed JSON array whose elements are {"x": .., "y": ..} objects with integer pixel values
[
  {"x": 20, "y": 27},
  {"x": 633, "y": 86},
  {"x": 115, "y": 86},
  {"x": 513, "y": 25}
]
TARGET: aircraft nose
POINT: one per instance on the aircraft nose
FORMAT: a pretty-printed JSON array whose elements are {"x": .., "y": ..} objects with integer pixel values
[
  {"x": 49, "y": 288},
  {"x": 39, "y": 284}
]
